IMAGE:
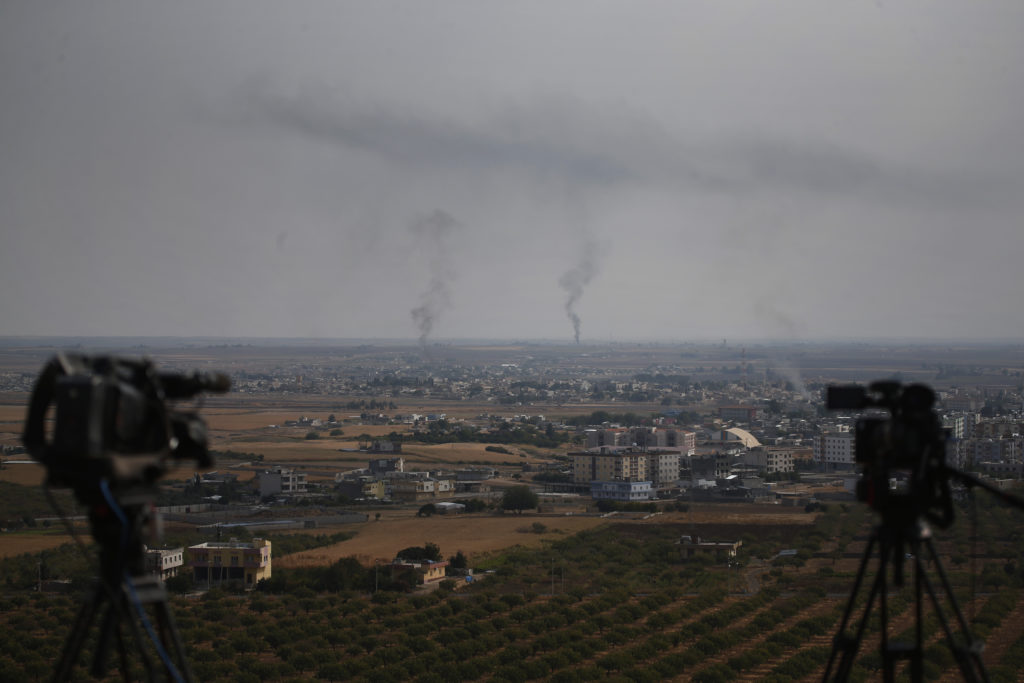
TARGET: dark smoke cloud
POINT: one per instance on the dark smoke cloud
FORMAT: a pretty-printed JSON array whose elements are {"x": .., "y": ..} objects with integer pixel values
[
  {"x": 617, "y": 148},
  {"x": 575, "y": 280},
  {"x": 432, "y": 232}
]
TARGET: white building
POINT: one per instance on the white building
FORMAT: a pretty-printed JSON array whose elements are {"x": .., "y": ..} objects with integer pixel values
[
  {"x": 164, "y": 561},
  {"x": 835, "y": 449},
  {"x": 663, "y": 467},
  {"x": 955, "y": 425},
  {"x": 620, "y": 490}
]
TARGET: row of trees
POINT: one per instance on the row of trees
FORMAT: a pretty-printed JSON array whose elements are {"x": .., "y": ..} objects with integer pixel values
[
  {"x": 613, "y": 602},
  {"x": 515, "y": 498}
]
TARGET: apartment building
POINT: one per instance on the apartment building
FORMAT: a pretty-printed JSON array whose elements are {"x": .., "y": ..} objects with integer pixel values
[
  {"x": 736, "y": 413},
  {"x": 770, "y": 460},
  {"x": 835, "y": 449},
  {"x": 609, "y": 464},
  {"x": 642, "y": 437}
]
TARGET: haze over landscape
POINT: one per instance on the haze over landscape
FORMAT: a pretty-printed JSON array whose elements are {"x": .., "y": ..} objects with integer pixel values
[{"x": 655, "y": 170}]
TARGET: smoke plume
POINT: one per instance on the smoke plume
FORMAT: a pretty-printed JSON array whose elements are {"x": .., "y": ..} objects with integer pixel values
[
  {"x": 431, "y": 233},
  {"x": 573, "y": 281},
  {"x": 790, "y": 329}
]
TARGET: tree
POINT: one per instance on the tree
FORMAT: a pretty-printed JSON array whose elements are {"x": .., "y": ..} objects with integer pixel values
[
  {"x": 426, "y": 510},
  {"x": 458, "y": 561},
  {"x": 429, "y": 551},
  {"x": 519, "y": 498}
]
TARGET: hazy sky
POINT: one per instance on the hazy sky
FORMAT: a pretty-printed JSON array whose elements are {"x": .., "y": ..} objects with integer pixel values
[{"x": 659, "y": 170}]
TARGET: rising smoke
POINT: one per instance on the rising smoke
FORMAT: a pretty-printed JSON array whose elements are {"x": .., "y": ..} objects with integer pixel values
[
  {"x": 781, "y": 322},
  {"x": 573, "y": 281},
  {"x": 431, "y": 233}
]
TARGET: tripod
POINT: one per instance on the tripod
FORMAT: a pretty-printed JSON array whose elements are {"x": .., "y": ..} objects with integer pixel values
[
  {"x": 122, "y": 594},
  {"x": 896, "y": 543},
  {"x": 124, "y": 603}
]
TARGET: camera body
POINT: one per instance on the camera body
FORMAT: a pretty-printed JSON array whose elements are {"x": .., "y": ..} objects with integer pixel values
[
  {"x": 903, "y": 456},
  {"x": 111, "y": 420}
]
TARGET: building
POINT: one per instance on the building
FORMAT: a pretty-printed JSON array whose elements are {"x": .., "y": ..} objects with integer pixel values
[
  {"x": 995, "y": 450},
  {"x": 692, "y": 546},
  {"x": 620, "y": 490},
  {"x": 216, "y": 562},
  {"x": 769, "y": 460},
  {"x": 609, "y": 464},
  {"x": 663, "y": 467},
  {"x": 283, "y": 481},
  {"x": 738, "y": 413},
  {"x": 997, "y": 429},
  {"x": 835, "y": 450},
  {"x": 164, "y": 561},
  {"x": 418, "y": 486},
  {"x": 962, "y": 402},
  {"x": 642, "y": 438},
  {"x": 384, "y": 465},
  {"x": 708, "y": 467},
  {"x": 431, "y": 572},
  {"x": 734, "y": 436},
  {"x": 361, "y": 487},
  {"x": 612, "y": 437},
  {"x": 955, "y": 425},
  {"x": 412, "y": 490}
]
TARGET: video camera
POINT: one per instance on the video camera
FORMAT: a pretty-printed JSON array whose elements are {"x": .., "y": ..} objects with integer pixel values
[
  {"x": 903, "y": 456},
  {"x": 111, "y": 421},
  {"x": 103, "y": 427}
]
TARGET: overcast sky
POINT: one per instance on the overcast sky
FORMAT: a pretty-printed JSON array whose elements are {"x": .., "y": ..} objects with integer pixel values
[{"x": 434, "y": 170}]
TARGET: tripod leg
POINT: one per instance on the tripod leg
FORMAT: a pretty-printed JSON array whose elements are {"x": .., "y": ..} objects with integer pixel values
[
  {"x": 847, "y": 646},
  {"x": 172, "y": 640},
  {"x": 107, "y": 629},
  {"x": 889, "y": 552},
  {"x": 917, "y": 661},
  {"x": 968, "y": 655},
  {"x": 73, "y": 645}
]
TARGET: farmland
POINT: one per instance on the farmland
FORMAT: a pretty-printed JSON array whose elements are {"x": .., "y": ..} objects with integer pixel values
[
  {"x": 560, "y": 593},
  {"x": 610, "y": 602}
]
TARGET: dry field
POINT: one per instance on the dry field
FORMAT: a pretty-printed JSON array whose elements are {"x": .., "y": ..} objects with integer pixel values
[
  {"x": 474, "y": 535},
  {"x": 27, "y": 475},
  {"x": 479, "y": 534},
  {"x": 16, "y": 544}
]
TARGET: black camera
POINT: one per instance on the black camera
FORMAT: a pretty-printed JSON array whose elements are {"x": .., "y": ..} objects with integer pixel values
[
  {"x": 111, "y": 420},
  {"x": 902, "y": 456}
]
